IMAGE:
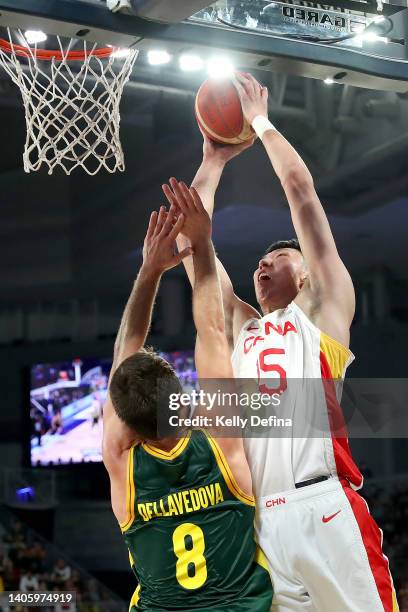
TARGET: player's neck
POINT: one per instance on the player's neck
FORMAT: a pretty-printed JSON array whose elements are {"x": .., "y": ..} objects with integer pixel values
[
  {"x": 278, "y": 298},
  {"x": 277, "y": 302},
  {"x": 272, "y": 306}
]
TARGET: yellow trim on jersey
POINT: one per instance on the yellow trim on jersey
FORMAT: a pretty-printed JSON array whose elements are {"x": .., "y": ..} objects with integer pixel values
[
  {"x": 227, "y": 474},
  {"x": 130, "y": 492},
  {"x": 168, "y": 455},
  {"x": 135, "y": 598},
  {"x": 260, "y": 558},
  {"x": 336, "y": 354},
  {"x": 136, "y": 595},
  {"x": 395, "y": 606}
]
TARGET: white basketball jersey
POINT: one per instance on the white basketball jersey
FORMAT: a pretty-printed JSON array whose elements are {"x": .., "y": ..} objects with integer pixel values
[{"x": 287, "y": 347}]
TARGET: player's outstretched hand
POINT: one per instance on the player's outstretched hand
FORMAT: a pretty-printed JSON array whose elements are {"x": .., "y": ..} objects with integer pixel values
[
  {"x": 197, "y": 223},
  {"x": 159, "y": 249},
  {"x": 254, "y": 97},
  {"x": 214, "y": 152}
]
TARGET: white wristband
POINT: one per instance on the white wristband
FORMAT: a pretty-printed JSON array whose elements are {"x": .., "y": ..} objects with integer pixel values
[{"x": 261, "y": 125}]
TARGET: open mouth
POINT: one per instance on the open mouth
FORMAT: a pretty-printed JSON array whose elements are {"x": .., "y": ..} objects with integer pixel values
[{"x": 264, "y": 277}]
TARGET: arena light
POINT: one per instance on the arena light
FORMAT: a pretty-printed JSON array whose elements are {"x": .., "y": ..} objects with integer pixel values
[
  {"x": 371, "y": 37},
  {"x": 190, "y": 63},
  {"x": 35, "y": 36},
  {"x": 219, "y": 67},
  {"x": 376, "y": 30},
  {"x": 157, "y": 57}
]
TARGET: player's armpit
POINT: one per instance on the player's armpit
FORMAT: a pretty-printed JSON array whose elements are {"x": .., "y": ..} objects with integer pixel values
[
  {"x": 116, "y": 464},
  {"x": 335, "y": 288},
  {"x": 331, "y": 310}
]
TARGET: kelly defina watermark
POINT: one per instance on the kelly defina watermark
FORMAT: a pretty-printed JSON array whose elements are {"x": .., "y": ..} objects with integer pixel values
[
  {"x": 230, "y": 412},
  {"x": 224, "y": 421},
  {"x": 373, "y": 408}
]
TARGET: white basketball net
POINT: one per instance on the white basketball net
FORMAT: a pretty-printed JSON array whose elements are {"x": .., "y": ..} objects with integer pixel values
[{"x": 71, "y": 107}]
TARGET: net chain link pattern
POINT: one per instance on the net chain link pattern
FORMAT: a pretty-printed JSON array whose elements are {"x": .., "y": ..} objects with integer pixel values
[{"x": 71, "y": 108}]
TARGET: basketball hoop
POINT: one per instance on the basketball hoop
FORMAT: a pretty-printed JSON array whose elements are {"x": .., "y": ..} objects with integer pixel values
[{"x": 71, "y": 100}]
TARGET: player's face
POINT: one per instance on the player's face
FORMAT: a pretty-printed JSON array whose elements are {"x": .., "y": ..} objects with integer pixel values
[{"x": 280, "y": 272}]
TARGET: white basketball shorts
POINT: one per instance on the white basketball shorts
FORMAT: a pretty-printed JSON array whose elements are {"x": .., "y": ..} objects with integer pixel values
[{"x": 324, "y": 551}]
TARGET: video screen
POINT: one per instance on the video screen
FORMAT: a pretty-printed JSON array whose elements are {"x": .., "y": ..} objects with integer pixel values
[{"x": 66, "y": 407}]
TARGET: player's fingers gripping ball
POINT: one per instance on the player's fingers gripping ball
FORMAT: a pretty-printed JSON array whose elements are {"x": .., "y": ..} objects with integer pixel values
[{"x": 219, "y": 113}]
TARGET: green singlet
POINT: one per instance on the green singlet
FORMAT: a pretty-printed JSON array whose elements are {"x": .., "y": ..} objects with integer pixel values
[{"x": 189, "y": 532}]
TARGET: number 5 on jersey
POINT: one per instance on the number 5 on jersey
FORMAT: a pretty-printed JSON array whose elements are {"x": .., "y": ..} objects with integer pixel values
[{"x": 263, "y": 365}]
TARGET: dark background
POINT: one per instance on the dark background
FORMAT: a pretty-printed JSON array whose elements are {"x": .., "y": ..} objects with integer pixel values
[{"x": 70, "y": 248}]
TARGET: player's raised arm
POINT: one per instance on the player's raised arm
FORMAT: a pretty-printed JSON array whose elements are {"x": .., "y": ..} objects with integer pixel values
[
  {"x": 206, "y": 182},
  {"x": 212, "y": 350},
  {"x": 158, "y": 256},
  {"x": 329, "y": 291},
  {"x": 212, "y": 354}
]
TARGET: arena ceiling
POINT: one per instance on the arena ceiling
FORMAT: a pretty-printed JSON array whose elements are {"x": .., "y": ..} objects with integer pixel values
[{"x": 59, "y": 233}]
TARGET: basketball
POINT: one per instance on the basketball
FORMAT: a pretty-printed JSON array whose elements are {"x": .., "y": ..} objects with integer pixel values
[{"x": 219, "y": 113}]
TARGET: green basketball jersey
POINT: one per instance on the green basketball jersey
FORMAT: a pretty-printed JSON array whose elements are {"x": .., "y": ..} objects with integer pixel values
[{"x": 189, "y": 532}]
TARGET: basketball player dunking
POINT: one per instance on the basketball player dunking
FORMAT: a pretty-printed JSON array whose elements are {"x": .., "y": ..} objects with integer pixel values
[
  {"x": 323, "y": 546},
  {"x": 179, "y": 502}
]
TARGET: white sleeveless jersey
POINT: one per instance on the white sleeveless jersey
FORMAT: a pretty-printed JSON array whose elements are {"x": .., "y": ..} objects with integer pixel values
[{"x": 287, "y": 347}]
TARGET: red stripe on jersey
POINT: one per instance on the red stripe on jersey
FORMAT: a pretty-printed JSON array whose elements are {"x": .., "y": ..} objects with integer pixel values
[
  {"x": 372, "y": 539},
  {"x": 345, "y": 466}
]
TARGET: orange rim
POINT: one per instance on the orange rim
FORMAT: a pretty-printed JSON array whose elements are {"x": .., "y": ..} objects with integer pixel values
[{"x": 43, "y": 54}]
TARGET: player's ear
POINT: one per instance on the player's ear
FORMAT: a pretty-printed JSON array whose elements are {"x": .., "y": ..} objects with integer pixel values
[{"x": 303, "y": 279}]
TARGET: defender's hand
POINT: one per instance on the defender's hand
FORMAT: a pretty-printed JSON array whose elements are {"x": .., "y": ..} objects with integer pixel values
[
  {"x": 254, "y": 97},
  {"x": 222, "y": 153},
  {"x": 159, "y": 251},
  {"x": 197, "y": 223}
]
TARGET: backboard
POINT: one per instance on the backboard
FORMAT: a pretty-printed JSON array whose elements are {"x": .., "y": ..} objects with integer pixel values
[
  {"x": 73, "y": 75},
  {"x": 293, "y": 37}
]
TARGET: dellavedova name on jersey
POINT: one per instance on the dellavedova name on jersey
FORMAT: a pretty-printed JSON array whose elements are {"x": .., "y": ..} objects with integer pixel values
[{"x": 182, "y": 502}]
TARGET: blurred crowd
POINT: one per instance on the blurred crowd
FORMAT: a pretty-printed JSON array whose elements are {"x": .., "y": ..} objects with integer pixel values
[
  {"x": 390, "y": 510},
  {"x": 27, "y": 566}
]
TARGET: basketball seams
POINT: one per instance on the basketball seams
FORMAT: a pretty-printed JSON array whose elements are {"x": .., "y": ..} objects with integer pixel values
[
  {"x": 220, "y": 112},
  {"x": 210, "y": 99}
]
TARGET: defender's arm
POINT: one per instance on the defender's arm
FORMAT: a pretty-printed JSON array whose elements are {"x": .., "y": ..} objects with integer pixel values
[
  {"x": 205, "y": 183},
  {"x": 136, "y": 320},
  {"x": 158, "y": 256},
  {"x": 212, "y": 350}
]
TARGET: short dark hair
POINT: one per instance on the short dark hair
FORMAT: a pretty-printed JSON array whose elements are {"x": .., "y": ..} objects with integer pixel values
[
  {"x": 139, "y": 388},
  {"x": 293, "y": 243}
]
